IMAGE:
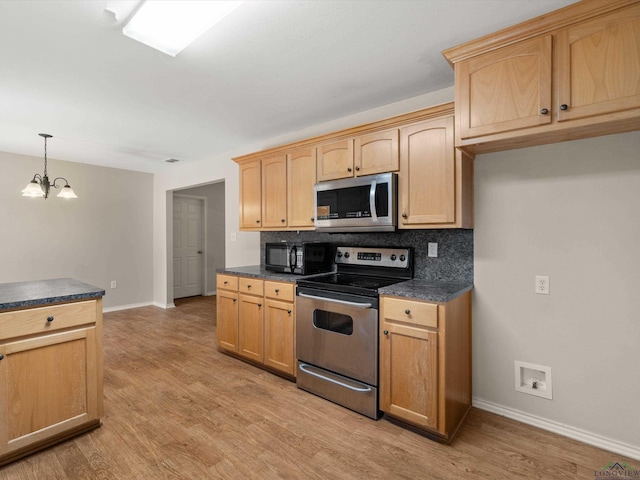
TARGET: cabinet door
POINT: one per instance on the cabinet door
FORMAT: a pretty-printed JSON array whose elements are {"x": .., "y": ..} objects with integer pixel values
[
  {"x": 409, "y": 373},
  {"x": 227, "y": 320},
  {"x": 301, "y": 177},
  {"x": 335, "y": 160},
  {"x": 377, "y": 153},
  {"x": 251, "y": 327},
  {"x": 279, "y": 335},
  {"x": 250, "y": 195},
  {"x": 598, "y": 65},
  {"x": 48, "y": 385},
  {"x": 506, "y": 89},
  {"x": 274, "y": 192},
  {"x": 427, "y": 174}
]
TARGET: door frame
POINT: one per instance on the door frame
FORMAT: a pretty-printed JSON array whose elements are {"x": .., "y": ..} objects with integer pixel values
[{"x": 203, "y": 224}]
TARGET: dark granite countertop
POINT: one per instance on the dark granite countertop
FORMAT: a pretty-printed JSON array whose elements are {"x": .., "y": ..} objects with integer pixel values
[
  {"x": 427, "y": 290},
  {"x": 418, "y": 289},
  {"x": 44, "y": 292},
  {"x": 258, "y": 271}
]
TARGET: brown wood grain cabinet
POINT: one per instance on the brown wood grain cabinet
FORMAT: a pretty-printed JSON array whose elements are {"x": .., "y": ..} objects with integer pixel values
[
  {"x": 251, "y": 319},
  {"x": 565, "y": 75},
  {"x": 256, "y": 320},
  {"x": 425, "y": 362},
  {"x": 335, "y": 160},
  {"x": 50, "y": 375},
  {"x": 301, "y": 177},
  {"x": 435, "y": 180},
  {"x": 251, "y": 195},
  {"x": 227, "y": 312},
  {"x": 274, "y": 192},
  {"x": 279, "y": 327}
]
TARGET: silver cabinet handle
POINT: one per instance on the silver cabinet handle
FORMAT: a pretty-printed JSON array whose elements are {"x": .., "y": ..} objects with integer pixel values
[
  {"x": 333, "y": 300},
  {"x": 356, "y": 389}
]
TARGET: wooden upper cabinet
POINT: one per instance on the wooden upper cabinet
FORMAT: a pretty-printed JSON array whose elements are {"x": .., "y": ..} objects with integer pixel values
[
  {"x": 569, "y": 74},
  {"x": 335, "y": 160},
  {"x": 599, "y": 65},
  {"x": 274, "y": 192},
  {"x": 250, "y": 195},
  {"x": 377, "y": 153},
  {"x": 505, "y": 89},
  {"x": 301, "y": 177},
  {"x": 427, "y": 180}
]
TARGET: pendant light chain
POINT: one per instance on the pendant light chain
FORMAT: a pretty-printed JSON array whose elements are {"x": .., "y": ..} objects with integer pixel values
[{"x": 45, "y": 156}]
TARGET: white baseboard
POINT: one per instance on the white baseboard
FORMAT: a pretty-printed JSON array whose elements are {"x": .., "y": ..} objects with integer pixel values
[
  {"x": 126, "y": 307},
  {"x": 213, "y": 292},
  {"x": 583, "y": 436}
]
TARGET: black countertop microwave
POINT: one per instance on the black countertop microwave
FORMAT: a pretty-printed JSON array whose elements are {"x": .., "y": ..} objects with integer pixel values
[
  {"x": 359, "y": 204},
  {"x": 303, "y": 258}
]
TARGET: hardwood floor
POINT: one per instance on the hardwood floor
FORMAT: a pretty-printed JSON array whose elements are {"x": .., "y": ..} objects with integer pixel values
[{"x": 176, "y": 408}]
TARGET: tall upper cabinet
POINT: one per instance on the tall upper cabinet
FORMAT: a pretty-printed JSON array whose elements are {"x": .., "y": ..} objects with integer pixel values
[{"x": 569, "y": 74}]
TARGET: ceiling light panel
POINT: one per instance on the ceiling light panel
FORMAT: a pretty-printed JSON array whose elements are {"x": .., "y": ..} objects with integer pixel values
[{"x": 169, "y": 26}]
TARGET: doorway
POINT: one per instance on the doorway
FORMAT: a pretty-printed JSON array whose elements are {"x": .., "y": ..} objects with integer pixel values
[
  {"x": 213, "y": 236},
  {"x": 188, "y": 245}
]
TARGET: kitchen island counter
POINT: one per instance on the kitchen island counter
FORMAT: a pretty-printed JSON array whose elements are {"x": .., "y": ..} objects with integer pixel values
[{"x": 20, "y": 295}]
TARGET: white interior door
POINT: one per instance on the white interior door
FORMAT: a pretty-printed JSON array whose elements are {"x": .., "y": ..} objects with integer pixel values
[{"x": 187, "y": 246}]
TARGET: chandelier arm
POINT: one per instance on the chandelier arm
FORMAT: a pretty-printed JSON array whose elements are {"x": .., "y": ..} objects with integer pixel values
[{"x": 53, "y": 184}]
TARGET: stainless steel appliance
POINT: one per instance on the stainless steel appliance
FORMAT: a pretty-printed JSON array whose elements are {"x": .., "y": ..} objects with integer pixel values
[
  {"x": 359, "y": 204},
  {"x": 337, "y": 325},
  {"x": 303, "y": 258}
]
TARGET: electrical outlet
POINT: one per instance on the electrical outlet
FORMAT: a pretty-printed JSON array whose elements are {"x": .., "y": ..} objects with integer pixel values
[
  {"x": 542, "y": 284},
  {"x": 233, "y": 237},
  {"x": 432, "y": 249},
  {"x": 113, "y": 284}
]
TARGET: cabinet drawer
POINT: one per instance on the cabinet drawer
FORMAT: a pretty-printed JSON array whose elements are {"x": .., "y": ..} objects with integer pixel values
[
  {"x": 409, "y": 311},
  {"x": 279, "y": 291},
  {"x": 253, "y": 286},
  {"x": 35, "y": 321},
  {"x": 227, "y": 282}
]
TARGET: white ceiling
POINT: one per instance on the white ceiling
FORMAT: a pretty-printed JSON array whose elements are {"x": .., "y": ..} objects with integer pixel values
[{"x": 269, "y": 68}]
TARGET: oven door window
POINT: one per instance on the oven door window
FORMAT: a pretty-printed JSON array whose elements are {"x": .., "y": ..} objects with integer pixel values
[{"x": 332, "y": 321}]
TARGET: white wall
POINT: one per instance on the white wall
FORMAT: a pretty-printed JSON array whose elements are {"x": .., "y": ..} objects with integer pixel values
[
  {"x": 103, "y": 235},
  {"x": 570, "y": 211},
  {"x": 246, "y": 249}
]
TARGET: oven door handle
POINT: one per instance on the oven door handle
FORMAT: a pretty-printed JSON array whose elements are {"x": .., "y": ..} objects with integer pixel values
[
  {"x": 315, "y": 374},
  {"x": 333, "y": 300}
]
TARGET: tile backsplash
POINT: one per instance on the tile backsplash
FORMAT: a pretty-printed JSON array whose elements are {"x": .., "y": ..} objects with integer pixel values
[{"x": 455, "y": 248}]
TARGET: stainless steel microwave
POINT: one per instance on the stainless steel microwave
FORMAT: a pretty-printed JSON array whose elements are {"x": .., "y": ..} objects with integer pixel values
[
  {"x": 304, "y": 258},
  {"x": 359, "y": 204}
]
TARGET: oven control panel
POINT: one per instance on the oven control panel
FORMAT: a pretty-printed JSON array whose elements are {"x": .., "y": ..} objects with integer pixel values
[{"x": 374, "y": 257}]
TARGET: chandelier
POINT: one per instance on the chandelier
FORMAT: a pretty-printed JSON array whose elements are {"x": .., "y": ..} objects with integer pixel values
[{"x": 40, "y": 185}]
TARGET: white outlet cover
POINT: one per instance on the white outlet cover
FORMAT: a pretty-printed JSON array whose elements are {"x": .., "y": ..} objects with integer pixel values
[{"x": 432, "y": 249}]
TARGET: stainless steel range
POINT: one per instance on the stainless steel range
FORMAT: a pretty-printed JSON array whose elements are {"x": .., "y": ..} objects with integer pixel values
[{"x": 337, "y": 325}]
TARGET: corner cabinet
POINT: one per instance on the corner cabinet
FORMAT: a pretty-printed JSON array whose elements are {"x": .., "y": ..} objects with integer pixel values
[
  {"x": 565, "y": 75},
  {"x": 425, "y": 363},
  {"x": 255, "y": 320},
  {"x": 50, "y": 375}
]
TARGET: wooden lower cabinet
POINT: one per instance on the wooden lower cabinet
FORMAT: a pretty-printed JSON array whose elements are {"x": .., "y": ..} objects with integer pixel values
[
  {"x": 425, "y": 363},
  {"x": 256, "y": 320},
  {"x": 50, "y": 375}
]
